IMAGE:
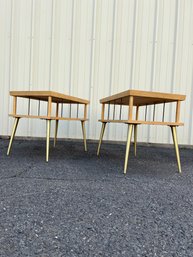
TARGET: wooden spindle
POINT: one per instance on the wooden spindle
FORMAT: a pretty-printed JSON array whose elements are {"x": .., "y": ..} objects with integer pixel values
[
  {"x": 108, "y": 111},
  {"x": 163, "y": 115},
  {"x": 57, "y": 109},
  {"x": 178, "y": 104},
  {"x": 85, "y": 111},
  {"x": 70, "y": 114},
  {"x": 120, "y": 114},
  {"x": 130, "y": 116},
  {"x": 154, "y": 112},
  {"x": 114, "y": 112},
  {"x": 14, "y": 105},
  {"x": 62, "y": 110},
  {"x": 77, "y": 111},
  {"x": 49, "y": 106},
  {"x": 29, "y": 102},
  {"x": 146, "y": 113},
  {"x": 103, "y": 112},
  {"x": 39, "y": 108},
  {"x": 137, "y": 112}
]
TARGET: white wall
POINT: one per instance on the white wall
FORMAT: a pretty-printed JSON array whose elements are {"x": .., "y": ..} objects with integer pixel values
[{"x": 94, "y": 48}]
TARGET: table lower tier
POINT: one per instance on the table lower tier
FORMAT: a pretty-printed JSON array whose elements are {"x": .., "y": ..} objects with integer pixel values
[
  {"x": 132, "y": 125},
  {"x": 140, "y": 122},
  {"x": 46, "y": 117},
  {"x": 48, "y": 121}
]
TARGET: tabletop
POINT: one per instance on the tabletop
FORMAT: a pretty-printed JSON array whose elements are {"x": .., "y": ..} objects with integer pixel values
[
  {"x": 43, "y": 96},
  {"x": 141, "y": 98}
]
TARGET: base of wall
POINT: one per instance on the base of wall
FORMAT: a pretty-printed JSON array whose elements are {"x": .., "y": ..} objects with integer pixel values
[{"x": 96, "y": 141}]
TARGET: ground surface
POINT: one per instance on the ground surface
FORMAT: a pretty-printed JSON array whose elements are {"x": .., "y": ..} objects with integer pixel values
[{"x": 81, "y": 205}]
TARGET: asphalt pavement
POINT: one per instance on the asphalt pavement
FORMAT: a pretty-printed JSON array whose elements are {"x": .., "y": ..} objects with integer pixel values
[{"x": 79, "y": 204}]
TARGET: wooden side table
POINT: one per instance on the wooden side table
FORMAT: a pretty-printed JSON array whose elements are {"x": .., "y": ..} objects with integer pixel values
[
  {"x": 51, "y": 98},
  {"x": 136, "y": 99}
]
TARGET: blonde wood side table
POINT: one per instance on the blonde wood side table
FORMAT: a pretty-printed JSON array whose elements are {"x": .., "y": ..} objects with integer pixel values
[
  {"x": 135, "y": 99},
  {"x": 51, "y": 98}
]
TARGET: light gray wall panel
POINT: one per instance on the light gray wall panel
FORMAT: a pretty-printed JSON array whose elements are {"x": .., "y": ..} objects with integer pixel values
[{"x": 94, "y": 48}]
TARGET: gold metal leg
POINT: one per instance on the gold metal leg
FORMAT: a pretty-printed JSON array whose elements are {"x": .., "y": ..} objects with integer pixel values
[
  {"x": 56, "y": 133},
  {"x": 48, "y": 140},
  {"x": 84, "y": 135},
  {"x": 128, "y": 147},
  {"x": 13, "y": 135},
  {"x": 101, "y": 137},
  {"x": 175, "y": 139},
  {"x": 135, "y": 139}
]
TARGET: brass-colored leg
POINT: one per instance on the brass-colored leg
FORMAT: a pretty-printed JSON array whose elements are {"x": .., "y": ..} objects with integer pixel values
[
  {"x": 101, "y": 137},
  {"x": 84, "y": 135},
  {"x": 48, "y": 140},
  {"x": 56, "y": 132},
  {"x": 175, "y": 139},
  {"x": 128, "y": 146},
  {"x": 135, "y": 139},
  {"x": 13, "y": 135}
]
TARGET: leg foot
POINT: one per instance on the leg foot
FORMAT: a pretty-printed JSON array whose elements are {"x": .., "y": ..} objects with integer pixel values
[
  {"x": 13, "y": 135},
  {"x": 48, "y": 140},
  {"x": 135, "y": 139},
  {"x": 128, "y": 147},
  {"x": 84, "y": 135},
  {"x": 56, "y": 133},
  {"x": 101, "y": 137},
  {"x": 175, "y": 139}
]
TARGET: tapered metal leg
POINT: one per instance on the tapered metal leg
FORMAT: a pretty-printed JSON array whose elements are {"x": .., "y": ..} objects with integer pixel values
[
  {"x": 48, "y": 140},
  {"x": 56, "y": 133},
  {"x": 13, "y": 135},
  {"x": 84, "y": 135},
  {"x": 128, "y": 147},
  {"x": 135, "y": 139},
  {"x": 175, "y": 139},
  {"x": 101, "y": 137}
]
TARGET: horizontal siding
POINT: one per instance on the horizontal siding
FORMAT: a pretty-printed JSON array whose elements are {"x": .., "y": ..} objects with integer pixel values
[{"x": 94, "y": 48}]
